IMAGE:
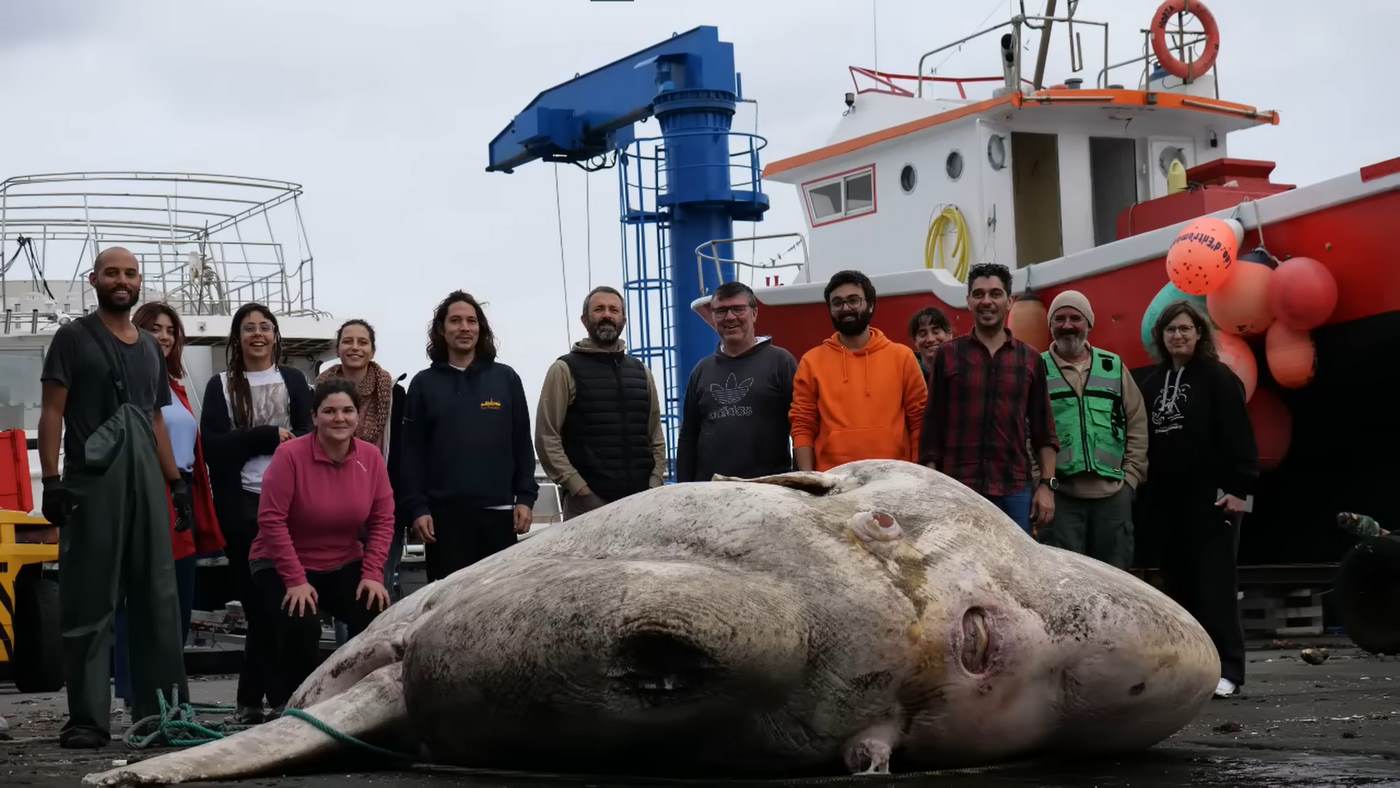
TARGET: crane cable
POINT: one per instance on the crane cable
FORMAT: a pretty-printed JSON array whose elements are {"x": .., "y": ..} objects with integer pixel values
[{"x": 935, "y": 246}]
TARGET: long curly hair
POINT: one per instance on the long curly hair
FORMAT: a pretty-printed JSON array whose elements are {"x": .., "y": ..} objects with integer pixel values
[
  {"x": 240, "y": 393},
  {"x": 437, "y": 341},
  {"x": 145, "y": 318}
]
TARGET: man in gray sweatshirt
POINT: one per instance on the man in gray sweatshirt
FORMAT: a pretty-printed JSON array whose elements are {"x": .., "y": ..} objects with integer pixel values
[{"x": 735, "y": 419}]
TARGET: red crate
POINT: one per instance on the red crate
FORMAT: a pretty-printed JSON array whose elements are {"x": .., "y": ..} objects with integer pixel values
[{"x": 14, "y": 472}]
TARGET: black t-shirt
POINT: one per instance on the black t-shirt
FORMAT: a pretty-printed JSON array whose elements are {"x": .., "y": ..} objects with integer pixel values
[{"x": 75, "y": 362}]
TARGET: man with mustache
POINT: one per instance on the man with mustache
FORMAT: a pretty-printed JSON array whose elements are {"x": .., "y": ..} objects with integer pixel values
[
  {"x": 598, "y": 425},
  {"x": 857, "y": 395},
  {"x": 1101, "y": 422},
  {"x": 104, "y": 384},
  {"x": 987, "y": 400},
  {"x": 735, "y": 419}
]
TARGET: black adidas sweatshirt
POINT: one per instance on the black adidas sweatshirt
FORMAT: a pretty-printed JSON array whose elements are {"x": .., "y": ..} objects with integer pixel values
[{"x": 1199, "y": 435}]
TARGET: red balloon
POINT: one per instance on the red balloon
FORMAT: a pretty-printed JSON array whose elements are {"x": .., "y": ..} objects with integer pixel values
[
  {"x": 1029, "y": 323},
  {"x": 1239, "y": 357},
  {"x": 1200, "y": 259},
  {"x": 1291, "y": 354},
  {"x": 1273, "y": 427},
  {"x": 1241, "y": 305},
  {"x": 1302, "y": 293}
]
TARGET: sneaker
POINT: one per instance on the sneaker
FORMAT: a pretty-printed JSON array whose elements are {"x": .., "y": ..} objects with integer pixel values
[
  {"x": 83, "y": 739},
  {"x": 1225, "y": 688},
  {"x": 248, "y": 715}
]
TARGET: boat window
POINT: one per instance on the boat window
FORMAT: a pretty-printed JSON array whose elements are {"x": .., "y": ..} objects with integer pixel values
[
  {"x": 860, "y": 193},
  {"x": 841, "y": 196},
  {"x": 20, "y": 389},
  {"x": 907, "y": 178}
]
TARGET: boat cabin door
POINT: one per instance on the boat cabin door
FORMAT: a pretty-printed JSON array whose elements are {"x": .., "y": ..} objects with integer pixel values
[{"x": 1035, "y": 184}]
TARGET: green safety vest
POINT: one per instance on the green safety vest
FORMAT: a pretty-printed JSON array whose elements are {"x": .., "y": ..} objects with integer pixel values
[{"x": 1092, "y": 428}]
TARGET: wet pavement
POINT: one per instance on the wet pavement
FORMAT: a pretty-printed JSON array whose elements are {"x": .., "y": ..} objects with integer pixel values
[{"x": 1295, "y": 724}]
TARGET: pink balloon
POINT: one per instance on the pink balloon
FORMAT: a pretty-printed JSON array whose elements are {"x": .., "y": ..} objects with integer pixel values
[
  {"x": 1241, "y": 305},
  {"x": 1302, "y": 293},
  {"x": 1291, "y": 354},
  {"x": 1273, "y": 427},
  {"x": 1239, "y": 357}
]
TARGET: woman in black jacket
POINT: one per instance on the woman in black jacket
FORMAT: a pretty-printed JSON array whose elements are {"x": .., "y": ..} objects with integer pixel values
[
  {"x": 1202, "y": 464},
  {"x": 248, "y": 412}
]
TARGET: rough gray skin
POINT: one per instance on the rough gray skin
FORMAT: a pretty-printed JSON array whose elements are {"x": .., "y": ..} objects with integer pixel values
[{"x": 877, "y": 614}]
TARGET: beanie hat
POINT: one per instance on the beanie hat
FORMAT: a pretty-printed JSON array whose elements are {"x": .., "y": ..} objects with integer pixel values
[{"x": 1074, "y": 300}]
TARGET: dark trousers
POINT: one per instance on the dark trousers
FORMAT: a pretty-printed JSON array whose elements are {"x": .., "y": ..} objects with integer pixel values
[
  {"x": 1016, "y": 505},
  {"x": 121, "y": 654},
  {"x": 239, "y": 532},
  {"x": 1100, "y": 528},
  {"x": 1199, "y": 543},
  {"x": 296, "y": 640},
  {"x": 575, "y": 505},
  {"x": 466, "y": 535},
  {"x": 116, "y": 546}
]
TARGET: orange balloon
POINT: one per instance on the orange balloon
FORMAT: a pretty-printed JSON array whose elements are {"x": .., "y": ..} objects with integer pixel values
[
  {"x": 1273, "y": 427},
  {"x": 1302, "y": 293},
  {"x": 1200, "y": 259},
  {"x": 1241, "y": 305},
  {"x": 1239, "y": 357},
  {"x": 1029, "y": 323},
  {"x": 1291, "y": 354}
]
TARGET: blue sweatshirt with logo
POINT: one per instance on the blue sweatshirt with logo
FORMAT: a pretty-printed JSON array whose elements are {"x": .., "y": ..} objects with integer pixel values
[{"x": 466, "y": 439}]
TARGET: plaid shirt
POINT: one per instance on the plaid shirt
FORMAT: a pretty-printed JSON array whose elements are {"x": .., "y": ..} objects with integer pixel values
[{"x": 980, "y": 409}]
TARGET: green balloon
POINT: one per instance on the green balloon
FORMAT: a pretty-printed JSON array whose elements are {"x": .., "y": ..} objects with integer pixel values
[{"x": 1168, "y": 295}]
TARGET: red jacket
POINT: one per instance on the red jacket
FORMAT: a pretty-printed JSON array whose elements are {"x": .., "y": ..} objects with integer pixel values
[{"x": 205, "y": 537}]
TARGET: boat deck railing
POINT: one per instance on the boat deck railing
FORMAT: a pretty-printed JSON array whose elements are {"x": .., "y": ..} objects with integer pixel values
[{"x": 206, "y": 243}]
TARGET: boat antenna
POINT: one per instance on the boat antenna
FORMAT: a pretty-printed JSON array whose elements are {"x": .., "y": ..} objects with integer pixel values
[{"x": 875, "y": 33}]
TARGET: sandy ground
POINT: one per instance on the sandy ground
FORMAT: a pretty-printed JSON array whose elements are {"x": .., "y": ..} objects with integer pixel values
[{"x": 1294, "y": 725}]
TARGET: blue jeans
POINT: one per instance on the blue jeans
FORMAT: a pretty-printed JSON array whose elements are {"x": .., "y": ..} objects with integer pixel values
[{"x": 1017, "y": 506}]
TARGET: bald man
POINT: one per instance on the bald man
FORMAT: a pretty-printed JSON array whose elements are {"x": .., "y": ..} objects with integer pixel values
[{"x": 104, "y": 383}]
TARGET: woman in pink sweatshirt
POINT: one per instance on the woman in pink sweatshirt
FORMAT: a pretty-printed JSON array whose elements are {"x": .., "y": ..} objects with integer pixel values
[{"x": 319, "y": 495}]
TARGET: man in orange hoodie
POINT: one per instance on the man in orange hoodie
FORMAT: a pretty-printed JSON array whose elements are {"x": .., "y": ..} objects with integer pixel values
[{"x": 856, "y": 396}]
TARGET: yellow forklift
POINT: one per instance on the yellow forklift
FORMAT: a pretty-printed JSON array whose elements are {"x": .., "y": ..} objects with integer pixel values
[{"x": 30, "y": 642}]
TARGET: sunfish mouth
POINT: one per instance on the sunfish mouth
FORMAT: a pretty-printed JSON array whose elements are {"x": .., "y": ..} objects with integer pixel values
[{"x": 659, "y": 667}]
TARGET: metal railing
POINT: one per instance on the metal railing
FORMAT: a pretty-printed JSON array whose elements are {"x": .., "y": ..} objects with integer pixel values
[
  {"x": 205, "y": 242},
  {"x": 709, "y": 252}
]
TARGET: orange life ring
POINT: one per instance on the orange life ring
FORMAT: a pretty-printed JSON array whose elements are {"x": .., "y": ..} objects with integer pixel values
[{"x": 1169, "y": 61}]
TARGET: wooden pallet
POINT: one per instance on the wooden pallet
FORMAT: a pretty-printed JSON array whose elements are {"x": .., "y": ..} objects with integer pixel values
[{"x": 1281, "y": 613}]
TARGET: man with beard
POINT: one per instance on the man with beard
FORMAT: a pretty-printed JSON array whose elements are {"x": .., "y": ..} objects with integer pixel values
[
  {"x": 598, "y": 426},
  {"x": 1101, "y": 422},
  {"x": 857, "y": 395},
  {"x": 467, "y": 474},
  {"x": 735, "y": 419},
  {"x": 987, "y": 398},
  {"x": 104, "y": 383}
]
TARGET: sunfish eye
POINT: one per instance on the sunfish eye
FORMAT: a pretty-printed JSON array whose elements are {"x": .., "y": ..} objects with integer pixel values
[{"x": 975, "y": 652}]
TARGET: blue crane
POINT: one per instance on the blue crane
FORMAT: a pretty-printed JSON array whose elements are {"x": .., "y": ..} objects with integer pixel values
[{"x": 689, "y": 198}]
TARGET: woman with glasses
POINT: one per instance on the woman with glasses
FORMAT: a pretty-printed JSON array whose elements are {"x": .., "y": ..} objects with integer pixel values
[
  {"x": 250, "y": 410},
  {"x": 1202, "y": 464}
]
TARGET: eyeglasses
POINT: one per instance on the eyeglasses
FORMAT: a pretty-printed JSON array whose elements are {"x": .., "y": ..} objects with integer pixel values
[
  {"x": 737, "y": 311},
  {"x": 854, "y": 302},
  {"x": 257, "y": 328}
]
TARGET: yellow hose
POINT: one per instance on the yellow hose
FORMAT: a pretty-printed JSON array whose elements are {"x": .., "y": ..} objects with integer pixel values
[{"x": 935, "y": 246}]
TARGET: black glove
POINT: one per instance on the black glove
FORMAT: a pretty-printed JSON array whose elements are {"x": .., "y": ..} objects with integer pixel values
[
  {"x": 183, "y": 501},
  {"x": 58, "y": 502}
]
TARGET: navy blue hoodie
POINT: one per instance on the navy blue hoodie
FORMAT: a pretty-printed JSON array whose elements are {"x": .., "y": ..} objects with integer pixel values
[{"x": 466, "y": 439}]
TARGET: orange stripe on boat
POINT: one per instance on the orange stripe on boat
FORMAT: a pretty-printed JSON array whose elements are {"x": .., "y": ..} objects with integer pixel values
[{"x": 1132, "y": 98}]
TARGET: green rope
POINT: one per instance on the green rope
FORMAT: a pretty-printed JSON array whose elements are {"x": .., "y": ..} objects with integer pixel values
[
  {"x": 177, "y": 725},
  {"x": 345, "y": 738}
]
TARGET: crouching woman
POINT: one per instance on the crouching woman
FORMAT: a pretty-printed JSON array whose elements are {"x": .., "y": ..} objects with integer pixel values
[{"x": 324, "y": 525}]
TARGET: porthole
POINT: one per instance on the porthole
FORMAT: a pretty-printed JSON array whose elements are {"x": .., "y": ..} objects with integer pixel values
[
  {"x": 954, "y": 165},
  {"x": 996, "y": 151},
  {"x": 908, "y": 178}
]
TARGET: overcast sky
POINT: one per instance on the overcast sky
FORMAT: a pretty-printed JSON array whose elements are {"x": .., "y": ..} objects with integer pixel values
[{"x": 383, "y": 111}]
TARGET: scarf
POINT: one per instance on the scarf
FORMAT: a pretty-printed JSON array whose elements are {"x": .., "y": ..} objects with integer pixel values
[{"x": 376, "y": 392}]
